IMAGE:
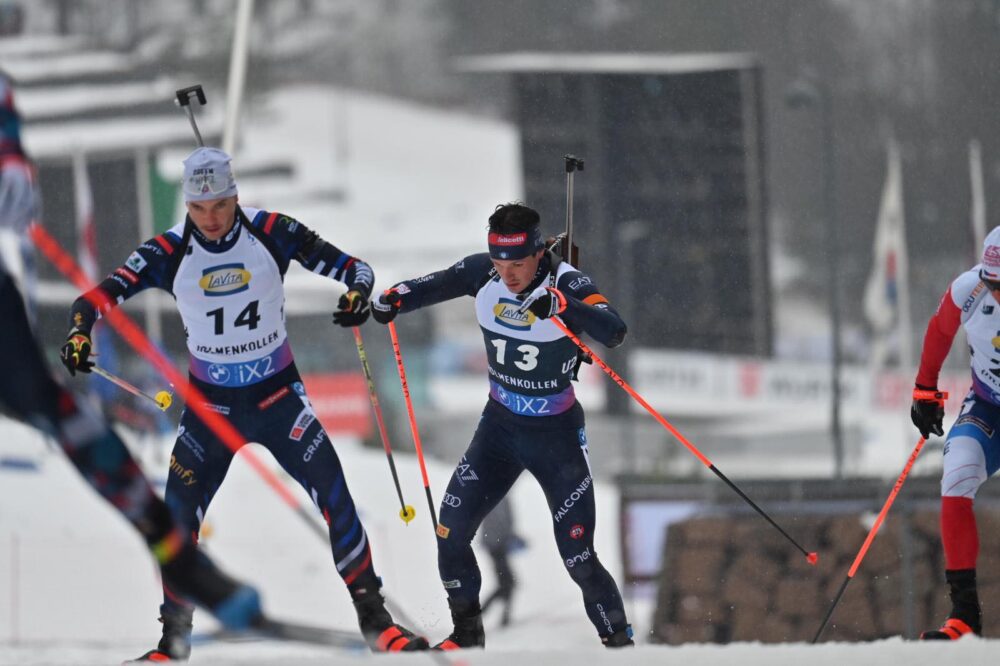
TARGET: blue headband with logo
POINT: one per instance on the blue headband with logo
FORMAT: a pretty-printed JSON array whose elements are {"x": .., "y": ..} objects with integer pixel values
[{"x": 516, "y": 245}]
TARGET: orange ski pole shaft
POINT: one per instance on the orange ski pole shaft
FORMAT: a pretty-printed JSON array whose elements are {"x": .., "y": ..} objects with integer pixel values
[
  {"x": 413, "y": 421},
  {"x": 811, "y": 557},
  {"x": 938, "y": 396},
  {"x": 406, "y": 511}
]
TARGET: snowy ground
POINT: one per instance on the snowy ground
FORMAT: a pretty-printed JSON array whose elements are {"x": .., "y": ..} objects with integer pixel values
[{"x": 76, "y": 586}]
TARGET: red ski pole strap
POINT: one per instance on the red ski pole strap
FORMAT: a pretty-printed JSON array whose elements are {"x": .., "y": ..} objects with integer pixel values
[{"x": 930, "y": 396}]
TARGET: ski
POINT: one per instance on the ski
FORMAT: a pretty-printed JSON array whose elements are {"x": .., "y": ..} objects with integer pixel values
[{"x": 280, "y": 630}]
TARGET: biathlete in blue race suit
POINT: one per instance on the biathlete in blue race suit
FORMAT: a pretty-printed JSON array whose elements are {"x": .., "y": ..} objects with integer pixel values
[
  {"x": 225, "y": 265},
  {"x": 532, "y": 420}
]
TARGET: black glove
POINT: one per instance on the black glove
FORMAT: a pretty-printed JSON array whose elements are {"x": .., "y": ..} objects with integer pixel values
[
  {"x": 386, "y": 306},
  {"x": 75, "y": 353},
  {"x": 544, "y": 302},
  {"x": 352, "y": 310},
  {"x": 927, "y": 415}
]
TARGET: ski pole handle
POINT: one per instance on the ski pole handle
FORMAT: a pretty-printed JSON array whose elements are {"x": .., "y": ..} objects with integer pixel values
[{"x": 184, "y": 101}]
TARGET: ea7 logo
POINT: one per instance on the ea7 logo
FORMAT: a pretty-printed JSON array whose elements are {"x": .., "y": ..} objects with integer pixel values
[{"x": 464, "y": 472}]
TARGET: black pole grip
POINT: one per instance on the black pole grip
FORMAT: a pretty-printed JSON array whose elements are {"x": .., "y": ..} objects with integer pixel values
[{"x": 184, "y": 95}]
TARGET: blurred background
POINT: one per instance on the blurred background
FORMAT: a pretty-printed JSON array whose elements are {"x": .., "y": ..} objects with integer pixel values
[{"x": 776, "y": 194}]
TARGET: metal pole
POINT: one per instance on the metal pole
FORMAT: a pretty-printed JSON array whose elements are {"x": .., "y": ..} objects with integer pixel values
[
  {"x": 144, "y": 199},
  {"x": 237, "y": 74},
  {"x": 832, "y": 257},
  {"x": 632, "y": 231},
  {"x": 15, "y": 578}
]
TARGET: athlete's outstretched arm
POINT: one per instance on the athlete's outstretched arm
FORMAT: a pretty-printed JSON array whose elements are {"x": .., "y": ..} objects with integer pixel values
[
  {"x": 461, "y": 279},
  {"x": 149, "y": 266},
  {"x": 940, "y": 334},
  {"x": 289, "y": 239}
]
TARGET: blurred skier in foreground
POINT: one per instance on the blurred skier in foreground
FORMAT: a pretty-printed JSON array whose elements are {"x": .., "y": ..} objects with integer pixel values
[{"x": 29, "y": 393}]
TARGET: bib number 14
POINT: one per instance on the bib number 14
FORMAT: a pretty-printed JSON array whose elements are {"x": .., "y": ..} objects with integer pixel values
[{"x": 248, "y": 317}]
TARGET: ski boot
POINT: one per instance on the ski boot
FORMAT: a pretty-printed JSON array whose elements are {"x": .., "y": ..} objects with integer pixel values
[
  {"x": 175, "y": 645},
  {"x": 378, "y": 629},
  {"x": 468, "y": 633},
  {"x": 190, "y": 574},
  {"x": 965, "y": 616},
  {"x": 621, "y": 638}
]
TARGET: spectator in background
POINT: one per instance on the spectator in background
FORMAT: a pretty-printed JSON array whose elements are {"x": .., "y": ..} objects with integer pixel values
[{"x": 500, "y": 541}]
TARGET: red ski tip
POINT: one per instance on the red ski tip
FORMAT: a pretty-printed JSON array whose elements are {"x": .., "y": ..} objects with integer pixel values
[{"x": 812, "y": 558}]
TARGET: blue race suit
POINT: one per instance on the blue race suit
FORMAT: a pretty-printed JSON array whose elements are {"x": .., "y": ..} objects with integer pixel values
[
  {"x": 231, "y": 298},
  {"x": 532, "y": 421}
]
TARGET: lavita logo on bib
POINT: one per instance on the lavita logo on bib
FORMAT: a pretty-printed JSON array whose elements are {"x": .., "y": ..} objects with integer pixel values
[
  {"x": 224, "y": 280},
  {"x": 506, "y": 314}
]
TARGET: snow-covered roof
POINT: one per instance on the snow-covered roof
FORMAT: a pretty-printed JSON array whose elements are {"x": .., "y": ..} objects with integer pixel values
[{"x": 605, "y": 63}]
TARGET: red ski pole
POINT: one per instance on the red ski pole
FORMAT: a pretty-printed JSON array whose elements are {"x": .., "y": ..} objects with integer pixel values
[
  {"x": 406, "y": 511},
  {"x": 811, "y": 557},
  {"x": 936, "y": 396},
  {"x": 413, "y": 421}
]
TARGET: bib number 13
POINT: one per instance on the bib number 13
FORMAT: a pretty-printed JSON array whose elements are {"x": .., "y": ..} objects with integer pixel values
[
  {"x": 529, "y": 354},
  {"x": 248, "y": 317}
]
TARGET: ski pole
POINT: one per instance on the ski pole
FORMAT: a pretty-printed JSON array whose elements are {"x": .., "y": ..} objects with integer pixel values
[
  {"x": 811, "y": 557},
  {"x": 573, "y": 164},
  {"x": 937, "y": 396},
  {"x": 163, "y": 399},
  {"x": 413, "y": 421},
  {"x": 406, "y": 511},
  {"x": 184, "y": 101}
]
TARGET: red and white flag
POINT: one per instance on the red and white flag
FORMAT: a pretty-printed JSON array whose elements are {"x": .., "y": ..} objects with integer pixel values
[{"x": 887, "y": 297}]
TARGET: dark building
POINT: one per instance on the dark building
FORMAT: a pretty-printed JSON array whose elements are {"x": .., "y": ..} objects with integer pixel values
[{"x": 670, "y": 211}]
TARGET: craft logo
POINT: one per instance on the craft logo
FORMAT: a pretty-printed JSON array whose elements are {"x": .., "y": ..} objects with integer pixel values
[
  {"x": 505, "y": 313},
  {"x": 224, "y": 280}
]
